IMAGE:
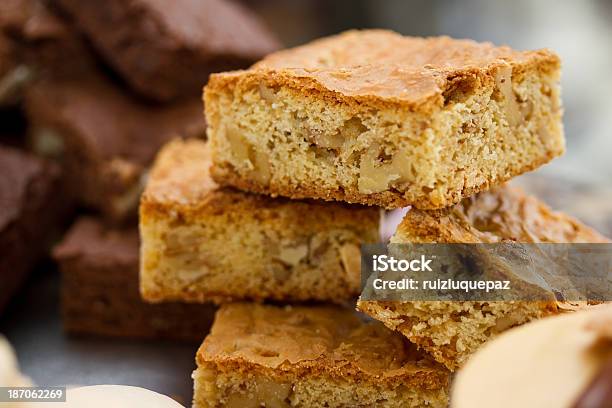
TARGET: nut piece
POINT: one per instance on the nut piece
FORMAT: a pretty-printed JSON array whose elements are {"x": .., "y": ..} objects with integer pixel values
[
  {"x": 503, "y": 80},
  {"x": 318, "y": 247},
  {"x": 248, "y": 155},
  {"x": 351, "y": 129},
  {"x": 293, "y": 255},
  {"x": 238, "y": 144},
  {"x": 350, "y": 256},
  {"x": 267, "y": 392},
  {"x": 321, "y": 139},
  {"x": 261, "y": 165},
  {"x": 376, "y": 176},
  {"x": 266, "y": 93}
]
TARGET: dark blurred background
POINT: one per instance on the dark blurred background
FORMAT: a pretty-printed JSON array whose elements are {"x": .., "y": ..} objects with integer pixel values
[{"x": 579, "y": 31}]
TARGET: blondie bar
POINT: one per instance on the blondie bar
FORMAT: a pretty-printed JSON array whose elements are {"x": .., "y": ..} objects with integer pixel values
[
  {"x": 271, "y": 356},
  {"x": 105, "y": 138},
  {"x": 452, "y": 331},
  {"x": 100, "y": 295},
  {"x": 166, "y": 50},
  {"x": 201, "y": 242},
  {"x": 373, "y": 117}
]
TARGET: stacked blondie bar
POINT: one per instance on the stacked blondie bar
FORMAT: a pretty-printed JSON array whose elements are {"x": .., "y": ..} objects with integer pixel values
[{"x": 305, "y": 148}]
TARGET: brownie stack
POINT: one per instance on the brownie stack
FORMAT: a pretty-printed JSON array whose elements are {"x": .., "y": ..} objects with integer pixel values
[
  {"x": 103, "y": 85},
  {"x": 273, "y": 207}
]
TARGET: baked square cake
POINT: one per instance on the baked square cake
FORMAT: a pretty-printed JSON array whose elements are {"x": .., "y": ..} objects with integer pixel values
[
  {"x": 202, "y": 243},
  {"x": 33, "y": 210},
  {"x": 452, "y": 331},
  {"x": 373, "y": 117},
  {"x": 259, "y": 355},
  {"x": 99, "y": 290},
  {"x": 105, "y": 138},
  {"x": 165, "y": 50}
]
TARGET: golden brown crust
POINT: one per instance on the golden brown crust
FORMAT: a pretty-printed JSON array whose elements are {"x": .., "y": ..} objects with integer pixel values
[
  {"x": 502, "y": 214},
  {"x": 314, "y": 341},
  {"x": 383, "y": 68}
]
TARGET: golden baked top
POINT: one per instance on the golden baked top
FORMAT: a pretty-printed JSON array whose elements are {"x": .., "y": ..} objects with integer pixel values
[
  {"x": 180, "y": 182},
  {"x": 501, "y": 214},
  {"x": 383, "y": 65},
  {"x": 324, "y": 339},
  {"x": 181, "y": 173}
]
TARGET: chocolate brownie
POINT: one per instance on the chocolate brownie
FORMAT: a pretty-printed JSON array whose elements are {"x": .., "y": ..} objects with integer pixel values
[
  {"x": 100, "y": 294},
  {"x": 105, "y": 137},
  {"x": 42, "y": 43},
  {"x": 165, "y": 49},
  {"x": 32, "y": 210}
]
